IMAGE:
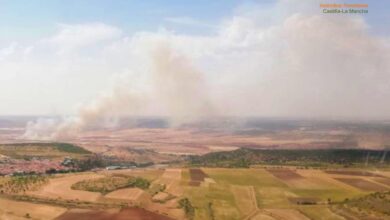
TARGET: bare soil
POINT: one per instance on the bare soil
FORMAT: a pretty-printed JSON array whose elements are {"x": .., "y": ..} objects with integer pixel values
[
  {"x": 385, "y": 181},
  {"x": 197, "y": 177},
  {"x": 353, "y": 173},
  {"x": 124, "y": 214},
  {"x": 61, "y": 188},
  {"x": 362, "y": 184},
  {"x": 285, "y": 174}
]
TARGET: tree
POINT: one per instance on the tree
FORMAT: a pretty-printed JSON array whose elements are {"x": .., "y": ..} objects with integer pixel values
[{"x": 188, "y": 208}]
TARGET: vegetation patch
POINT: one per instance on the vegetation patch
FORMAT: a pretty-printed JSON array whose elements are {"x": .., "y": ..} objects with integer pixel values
[
  {"x": 189, "y": 210},
  {"x": 111, "y": 183},
  {"x": 372, "y": 206},
  {"x": 70, "y": 148},
  {"x": 156, "y": 188},
  {"x": 244, "y": 157},
  {"x": 304, "y": 200},
  {"x": 16, "y": 184}
]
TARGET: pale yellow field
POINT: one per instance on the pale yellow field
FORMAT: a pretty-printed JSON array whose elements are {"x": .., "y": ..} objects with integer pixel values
[
  {"x": 244, "y": 199},
  {"x": 290, "y": 214},
  {"x": 14, "y": 210},
  {"x": 262, "y": 216},
  {"x": 60, "y": 188},
  {"x": 171, "y": 178},
  {"x": 131, "y": 194},
  {"x": 160, "y": 196},
  {"x": 320, "y": 213},
  {"x": 150, "y": 174}
]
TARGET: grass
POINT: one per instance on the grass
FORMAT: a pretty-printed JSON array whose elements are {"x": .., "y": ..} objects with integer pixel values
[
  {"x": 271, "y": 192},
  {"x": 70, "y": 148},
  {"x": 273, "y": 197},
  {"x": 243, "y": 198},
  {"x": 220, "y": 195},
  {"x": 156, "y": 188},
  {"x": 223, "y": 203},
  {"x": 378, "y": 202},
  {"x": 336, "y": 195},
  {"x": 319, "y": 213}
]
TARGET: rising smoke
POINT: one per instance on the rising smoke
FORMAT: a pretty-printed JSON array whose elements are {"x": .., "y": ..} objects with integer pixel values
[
  {"x": 298, "y": 64},
  {"x": 176, "y": 84}
]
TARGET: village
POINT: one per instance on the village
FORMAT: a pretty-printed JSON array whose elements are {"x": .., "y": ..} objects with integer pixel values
[{"x": 10, "y": 166}]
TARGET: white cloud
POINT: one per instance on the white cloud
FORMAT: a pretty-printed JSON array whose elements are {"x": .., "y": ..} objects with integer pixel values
[{"x": 78, "y": 36}]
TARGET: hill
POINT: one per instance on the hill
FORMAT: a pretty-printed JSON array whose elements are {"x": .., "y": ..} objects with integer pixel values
[
  {"x": 244, "y": 157},
  {"x": 373, "y": 206},
  {"x": 42, "y": 150}
]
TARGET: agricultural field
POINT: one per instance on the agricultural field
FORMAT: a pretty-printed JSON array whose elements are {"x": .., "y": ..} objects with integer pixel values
[
  {"x": 16, "y": 210},
  {"x": 17, "y": 184},
  {"x": 272, "y": 192},
  {"x": 60, "y": 187},
  {"x": 277, "y": 193}
]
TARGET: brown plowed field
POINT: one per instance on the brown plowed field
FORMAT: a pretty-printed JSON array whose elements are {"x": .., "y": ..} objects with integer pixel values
[
  {"x": 362, "y": 184},
  {"x": 353, "y": 173},
  {"x": 124, "y": 214},
  {"x": 197, "y": 176},
  {"x": 385, "y": 181},
  {"x": 285, "y": 174}
]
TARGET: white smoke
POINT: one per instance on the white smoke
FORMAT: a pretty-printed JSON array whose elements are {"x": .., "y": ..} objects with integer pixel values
[
  {"x": 176, "y": 84},
  {"x": 179, "y": 87},
  {"x": 293, "y": 62}
]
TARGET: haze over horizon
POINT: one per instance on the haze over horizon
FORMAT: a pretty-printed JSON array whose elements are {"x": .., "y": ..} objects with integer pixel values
[{"x": 237, "y": 58}]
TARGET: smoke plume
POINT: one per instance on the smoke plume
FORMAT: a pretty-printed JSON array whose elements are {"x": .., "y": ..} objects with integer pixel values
[
  {"x": 283, "y": 61},
  {"x": 177, "y": 87}
]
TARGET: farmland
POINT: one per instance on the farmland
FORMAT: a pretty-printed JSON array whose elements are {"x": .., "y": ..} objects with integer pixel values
[
  {"x": 196, "y": 173},
  {"x": 219, "y": 193},
  {"x": 231, "y": 194}
]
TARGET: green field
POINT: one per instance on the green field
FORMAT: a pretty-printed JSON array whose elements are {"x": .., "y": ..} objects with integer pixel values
[{"x": 270, "y": 193}]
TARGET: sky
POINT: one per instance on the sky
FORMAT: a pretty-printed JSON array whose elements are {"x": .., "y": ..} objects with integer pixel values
[{"x": 188, "y": 59}]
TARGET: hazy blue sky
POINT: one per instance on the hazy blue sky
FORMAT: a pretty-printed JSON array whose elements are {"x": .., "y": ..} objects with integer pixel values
[
  {"x": 31, "y": 19},
  {"x": 58, "y": 56}
]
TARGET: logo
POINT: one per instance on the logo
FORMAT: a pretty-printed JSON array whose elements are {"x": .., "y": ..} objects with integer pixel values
[{"x": 344, "y": 8}]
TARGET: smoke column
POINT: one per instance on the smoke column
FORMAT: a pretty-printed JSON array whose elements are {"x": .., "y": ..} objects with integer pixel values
[{"x": 177, "y": 87}]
